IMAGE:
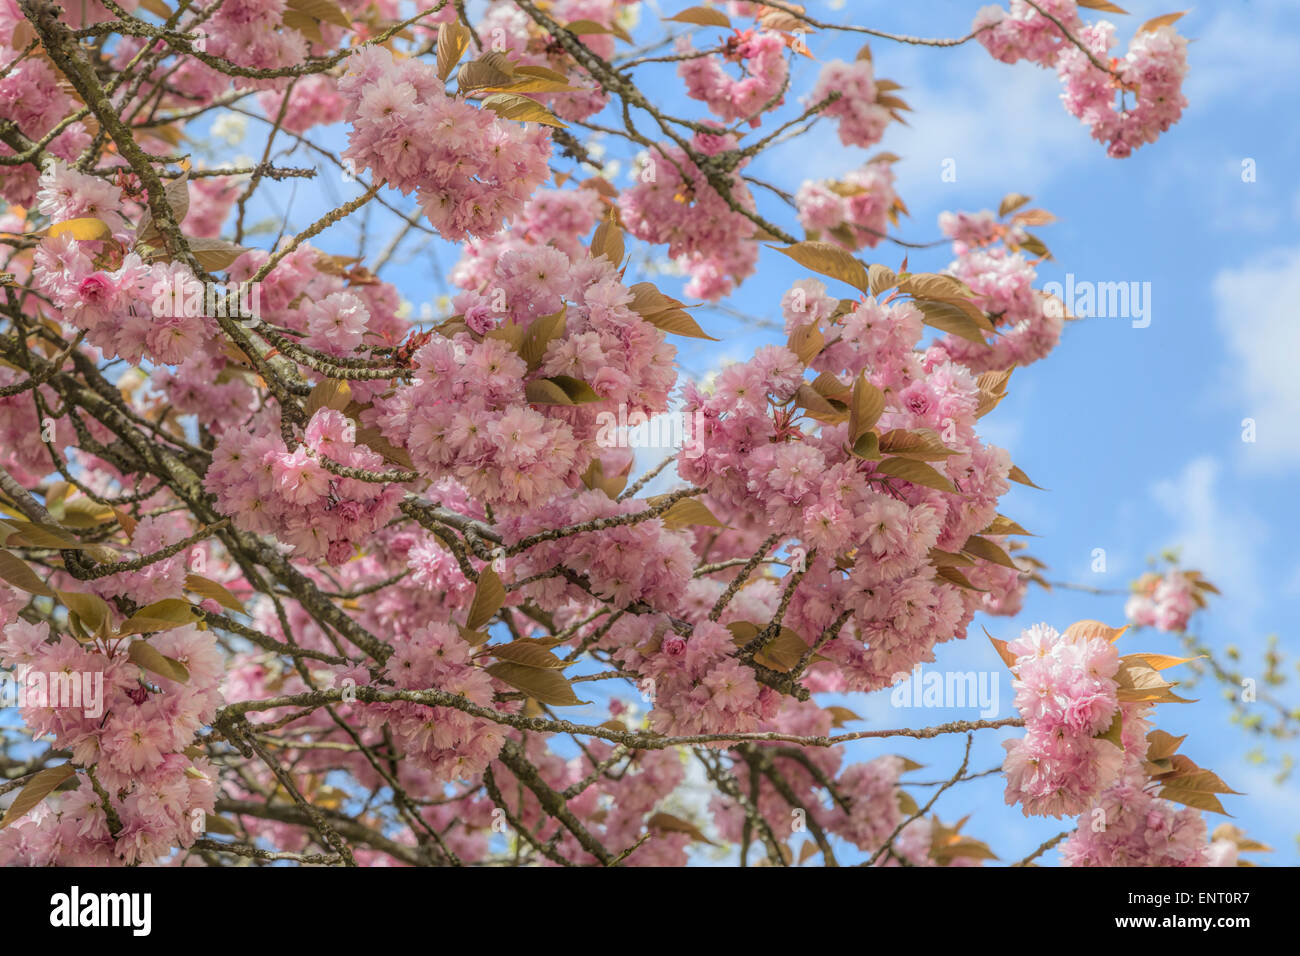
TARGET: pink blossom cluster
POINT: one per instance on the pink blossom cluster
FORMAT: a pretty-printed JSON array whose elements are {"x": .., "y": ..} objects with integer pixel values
[
  {"x": 626, "y": 564},
  {"x": 1129, "y": 825},
  {"x": 306, "y": 293},
  {"x": 1028, "y": 324},
  {"x": 1152, "y": 71},
  {"x": 702, "y": 686},
  {"x": 22, "y": 448},
  {"x": 1163, "y": 601},
  {"x": 1141, "y": 830},
  {"x": 268, "y": 489},
  {"x": 312, "y": 101},
  {"x": 1023, "y": 33},
  {"x": 136, "y": 747},
  {"x": 504, "y": 426},
  {"x": 855, "y": 210},
  {"x": 554, "y": 217},
  {"x": 173, "y": 83},
  {"x": 873, "y": 534},
  {"x": 140, "y": 311},
  {"x": 156, "y": 581},
  {"x": 1066, "y": 692},
  {"x": 860, "y": 119},
  {"x": 870, "y": 791},
  {"x": 466, "y": 415},
  {"x": 761, "y": 56},
  {"x": 211, "y": 199},
  {"x": 452, "y": 744},
  {"x": 471, "y": 171},
  {"x": 1003, "y": 588},
  {"x": 613, "y": 810},
  {"x": 131, "y": 311},
  {"x": 251, "y": 33},
  {"x": 974, "y": 229},
  {"x": 33, "y": 100},
  {"x": 673, "y": 202}
]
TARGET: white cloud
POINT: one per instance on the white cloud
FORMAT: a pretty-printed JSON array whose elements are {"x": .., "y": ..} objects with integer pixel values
[
  {"x": 1213, "y": 532},
  {"x": 1243, "y": 50},
  {"x": 1255, "y": 310},
  {"x": 1004, "y": 126}
]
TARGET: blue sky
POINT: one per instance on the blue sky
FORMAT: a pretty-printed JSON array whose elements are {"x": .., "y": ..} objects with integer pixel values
[{"x": 1136, "y": 431}]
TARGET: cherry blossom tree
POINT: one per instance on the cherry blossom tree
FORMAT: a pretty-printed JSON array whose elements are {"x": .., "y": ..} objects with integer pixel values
[{"x": 289, "y": 574}]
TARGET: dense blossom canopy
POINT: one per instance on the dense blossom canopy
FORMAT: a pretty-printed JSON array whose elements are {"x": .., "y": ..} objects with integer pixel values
[{"x": 338, "y": 572}]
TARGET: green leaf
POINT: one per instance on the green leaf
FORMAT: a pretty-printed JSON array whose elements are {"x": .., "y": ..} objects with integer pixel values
[
  {"x": 30, "y": 535},
  {"x": 1140, "y": 682},
  {"x": 492, "y": 69},
  {"x": 806, "y": 341},
  {"x": 865, "y": 407},
  {"x": 214, "y": 255},
  {"x": 214, "y": 590},
  {"x": 489, "y": 595},
  {"x": 607, "y": 241},
  {"x": 1105, "y": 5},
  {"x": 1155, "y": 23},
  {"x": 84, "y": 229},
  {"x": 671, "y": 824},
  {"x": 688, "y": 511},
  {"x": 917, "y": 472},
  {"x": 1001, "y": 525},
  {"x": 160, "y": 616},
  {"x": 1017, "y": 474},
  {"x": 830, "y": 260},
  {"x": 324, "y": 10},
  {"x": 1011, "y": 202},
  {"x": 586, "y": 27},
  {"x": 543, "y": 391},
  {"x": 664, "y": 312},
  {"x": 1008, "y": 657},
  {"x": 218, "y": 824},
  {"x": 867, "y": 446},
  {"x": 1114, "y": 732},
  {"x": 91, "y": 608},
  {"x": 578, "y": 391},
  {"x": 947, "y": 317},
  {"x": 807, "y": 397},
  {"x": 1193, "y": 786},
  {"x": 919, "y": 444},
  {"x": 986, "y": 549},
  {"x": 540, "y": 334},
  {"x": 15, "y": 571},
  {"x": 953, "y": 576},
  {"x": 151, "y": 659},
  {"x": 453, "y": 40},
  {"x": 702, "y": 16},
  {"x": 881, "y": 278},
  {"x": 42, "y": 784},
  {"x": 331, "y": 393},
  {"x": 559, "y": 390},
  {"x": 544, "y": 686},
  {"x": 512, "y": 106},
  {"x": 528, "y": 654}
]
